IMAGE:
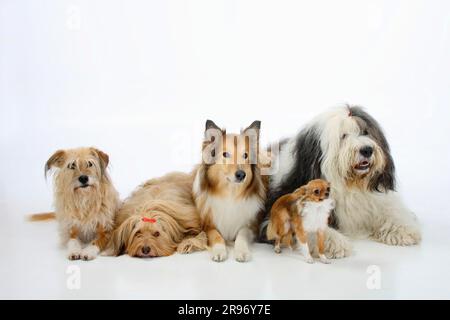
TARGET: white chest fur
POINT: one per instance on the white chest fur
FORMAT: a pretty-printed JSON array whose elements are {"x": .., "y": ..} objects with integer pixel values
[
  {"x": 230, "y": 214},
  {"x": 315, "y": 215}
]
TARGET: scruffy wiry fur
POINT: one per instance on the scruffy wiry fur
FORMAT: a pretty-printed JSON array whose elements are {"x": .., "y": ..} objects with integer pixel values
[
  {"x": 158, "y": 219},
  {"x": 84, "y": 211},
  {"x": 228, "y": 189},
  {"x": 332, "y": 147}
]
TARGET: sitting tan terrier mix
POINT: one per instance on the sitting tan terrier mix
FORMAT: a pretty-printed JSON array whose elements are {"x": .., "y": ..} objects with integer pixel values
[{"x": 85, "y": 201}]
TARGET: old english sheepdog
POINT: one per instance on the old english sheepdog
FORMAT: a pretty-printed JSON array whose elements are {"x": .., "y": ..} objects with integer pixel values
[{"x": 346, "y": 147}]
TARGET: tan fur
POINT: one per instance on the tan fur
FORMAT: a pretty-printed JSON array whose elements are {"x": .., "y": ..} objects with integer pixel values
[
  {"x": 215, "y": 178},
  {"x": 285, "y": 218},
  {"x": 169, "y": 201},
  {"x": 89, "y": 210}
]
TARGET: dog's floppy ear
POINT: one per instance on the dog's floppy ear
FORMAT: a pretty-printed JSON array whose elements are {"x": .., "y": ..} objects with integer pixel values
[
  {"x": 121, "y": 236},
  {"x": 102, "y": 157},
  {"x": 384, "y": 180},
  {"x": 56, "y": 160}
]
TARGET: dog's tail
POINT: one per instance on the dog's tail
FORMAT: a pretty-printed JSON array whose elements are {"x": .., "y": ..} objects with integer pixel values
[
  {"x": 271, "y": 234},
  {"x": 41, "y": 216}
]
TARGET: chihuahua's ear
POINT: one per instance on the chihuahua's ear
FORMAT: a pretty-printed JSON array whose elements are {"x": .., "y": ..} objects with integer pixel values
[
  {"x": 301, "y": 191},
  {"x": 56, "y": 160},
  {"x": 102, "y": 157}
]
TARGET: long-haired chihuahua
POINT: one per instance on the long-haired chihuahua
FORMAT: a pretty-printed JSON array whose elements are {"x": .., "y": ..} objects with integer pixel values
[{"x": 297, "y": 214}]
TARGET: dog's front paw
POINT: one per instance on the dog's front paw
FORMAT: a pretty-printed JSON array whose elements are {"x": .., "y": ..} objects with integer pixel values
[
  {"x": 185, "y": 247},
  {"x": 398, "y": 235},
  {"x": 73, "y": 249},
  {"x": 219, "y": 253},
  {"x": 337, "y": 246},
  {"x": 74, "y": 255},
  {"x": 324, "y": 259},
  {"x": 309, "y": 259},
  {"x": 90, "y": 252},
  {"x": 242, "y": 253}
]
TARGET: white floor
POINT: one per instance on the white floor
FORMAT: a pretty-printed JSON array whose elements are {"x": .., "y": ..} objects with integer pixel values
[{"x": 32, "y": 266}]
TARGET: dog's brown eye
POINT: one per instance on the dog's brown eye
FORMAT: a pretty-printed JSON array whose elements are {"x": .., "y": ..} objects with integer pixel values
[
  {"x": 365, "y": 133},
  {"x": 226, "y": 155},
  {"x": 71, "y": 166},
  {"x": 317, "y": 192},
  {"x": 344, "y": 136},
  {"x": 328, "y": 189},
  {"x": 245, "y": 155},
  {"x": 156, "y": 234},
  {"x": 90, "y": 164}
]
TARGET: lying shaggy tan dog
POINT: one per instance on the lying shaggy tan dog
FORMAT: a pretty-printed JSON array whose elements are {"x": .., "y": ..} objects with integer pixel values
[{"x": 158, "y": 219}]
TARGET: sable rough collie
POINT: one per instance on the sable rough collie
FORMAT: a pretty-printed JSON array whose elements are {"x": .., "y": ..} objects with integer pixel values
[
  {"x": 158, "y": 219},
  {"x": 303, "y": 212},
  {"x": 85, "y": 200},
  {"x": 228, "y": 189},
  {"x": 347, "y": 147}
]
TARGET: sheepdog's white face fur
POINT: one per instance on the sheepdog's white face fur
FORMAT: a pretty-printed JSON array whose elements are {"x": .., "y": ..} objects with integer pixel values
[{"x": 351, "y": 148}]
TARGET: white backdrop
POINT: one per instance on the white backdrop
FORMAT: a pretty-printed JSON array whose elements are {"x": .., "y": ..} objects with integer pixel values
[{"x": 138, "y": 79}]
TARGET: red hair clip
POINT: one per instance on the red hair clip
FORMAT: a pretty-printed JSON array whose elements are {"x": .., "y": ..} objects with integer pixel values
[{"x": 151, "y": 220}]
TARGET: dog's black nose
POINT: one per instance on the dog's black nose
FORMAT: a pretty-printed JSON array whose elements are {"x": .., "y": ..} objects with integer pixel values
[
  {"x": 366, "y": 151},
  {"x": 83, "y": 179},
  {"x": 145, "y": 250},
  {"x": 240, "y": 175}
]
